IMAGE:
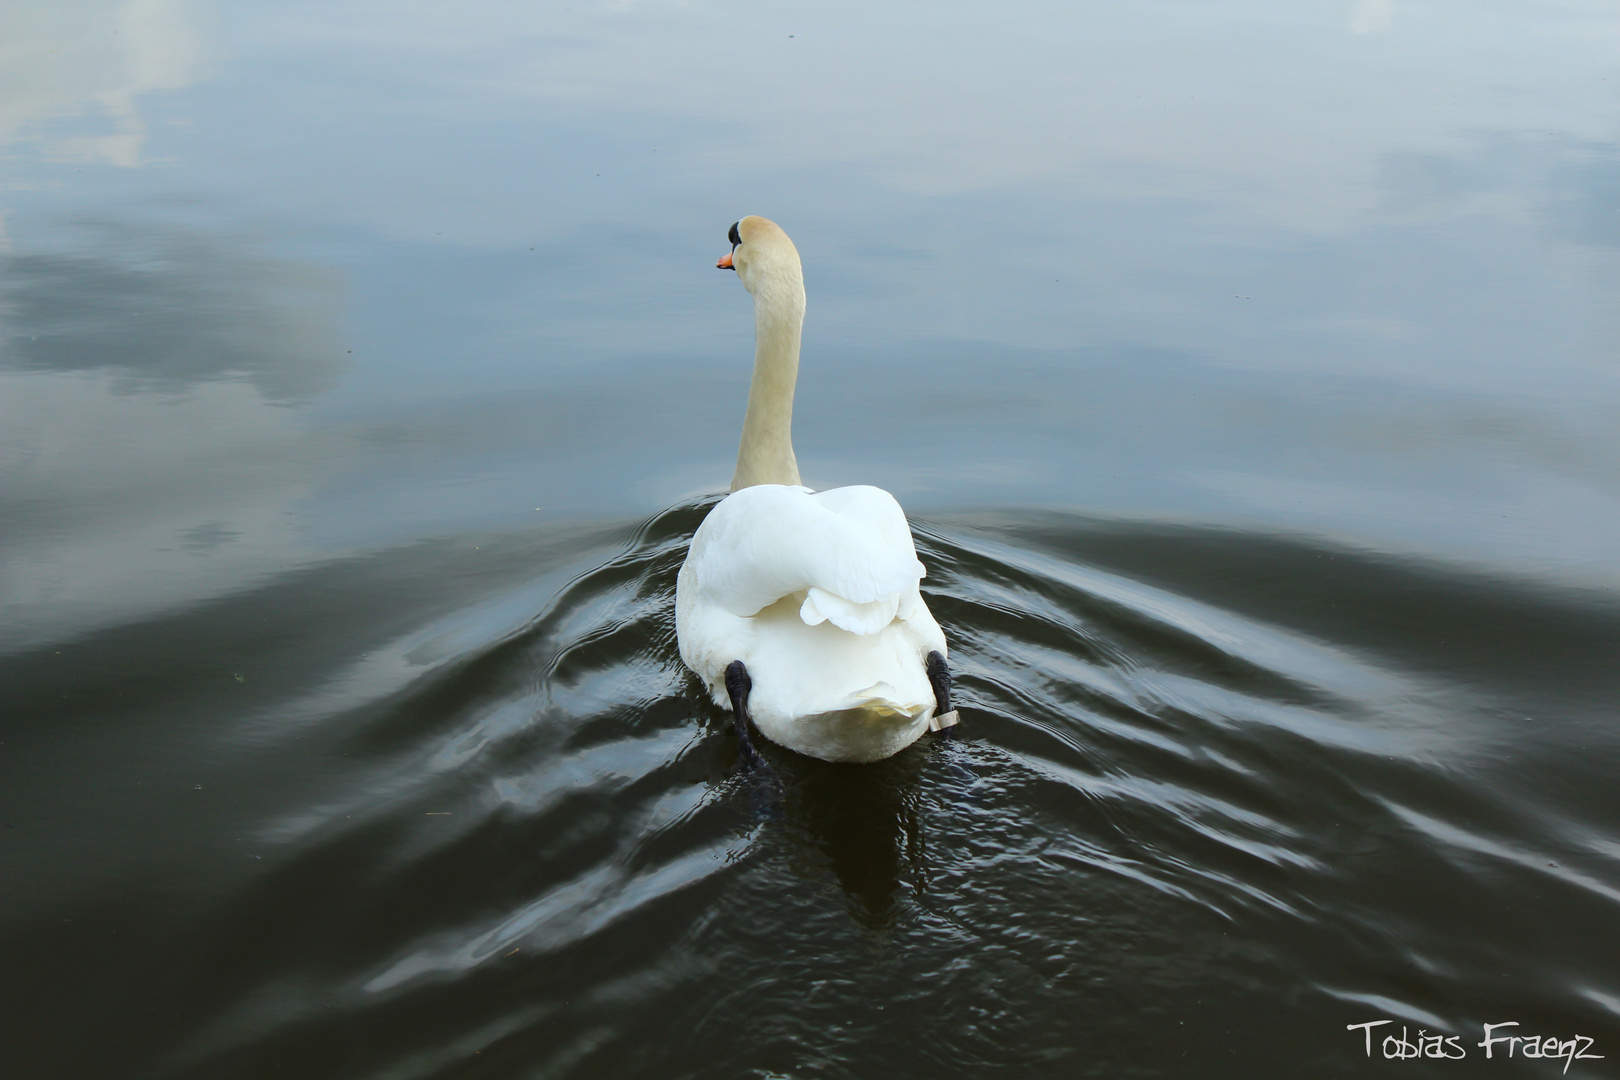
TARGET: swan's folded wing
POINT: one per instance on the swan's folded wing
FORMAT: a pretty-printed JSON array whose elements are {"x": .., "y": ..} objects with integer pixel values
[
  {"x": 820, "y": 607},
  {"x": 765, "y": 542}
]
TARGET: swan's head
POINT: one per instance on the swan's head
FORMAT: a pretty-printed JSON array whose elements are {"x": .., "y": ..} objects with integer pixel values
[{"x": 761, "y": 252}]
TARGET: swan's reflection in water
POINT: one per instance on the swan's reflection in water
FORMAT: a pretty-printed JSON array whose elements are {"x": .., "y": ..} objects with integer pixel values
[{"x": 862, "y": 822}]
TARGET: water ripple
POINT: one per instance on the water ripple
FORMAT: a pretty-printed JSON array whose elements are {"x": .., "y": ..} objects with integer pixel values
[{"x": 521, "y": 840}]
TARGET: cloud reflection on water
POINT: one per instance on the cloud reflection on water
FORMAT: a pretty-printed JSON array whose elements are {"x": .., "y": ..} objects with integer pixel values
[
  {"x": 164, "y": 309},
  {"x": 70, "y": 71},
  {"x": 145, "y": 456},
  {"x": 1241, "y": 265},
  {"x": 118, "y": 505}
]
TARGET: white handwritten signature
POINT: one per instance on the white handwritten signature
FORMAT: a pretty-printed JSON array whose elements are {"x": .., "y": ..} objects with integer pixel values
[{"x": 1426, "y": 1045}]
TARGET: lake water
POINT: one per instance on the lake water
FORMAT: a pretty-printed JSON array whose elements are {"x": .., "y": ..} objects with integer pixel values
[{"x": 1251, "y": 375}]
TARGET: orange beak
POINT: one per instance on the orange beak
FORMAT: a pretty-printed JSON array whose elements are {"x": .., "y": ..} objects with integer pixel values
[{"x": 725, "y": 262}]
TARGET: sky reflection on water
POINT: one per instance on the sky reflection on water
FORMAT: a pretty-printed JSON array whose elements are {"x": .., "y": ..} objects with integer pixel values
[{"x": 1347, "y": 269}]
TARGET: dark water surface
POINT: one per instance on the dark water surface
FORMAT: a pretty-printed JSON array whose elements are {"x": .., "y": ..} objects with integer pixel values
[{"x": 1251, "y": 373}]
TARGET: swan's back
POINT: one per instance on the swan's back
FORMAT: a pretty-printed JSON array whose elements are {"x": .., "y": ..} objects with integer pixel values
[{"x": 817, "y": 594}]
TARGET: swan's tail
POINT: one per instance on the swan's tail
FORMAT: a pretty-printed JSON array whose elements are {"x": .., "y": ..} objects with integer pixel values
[
  {"x": 881, "y": 702},
  {"x": 867, "y": 725}
]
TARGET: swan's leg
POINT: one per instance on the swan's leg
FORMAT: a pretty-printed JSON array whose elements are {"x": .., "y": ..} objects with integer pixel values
[
  {"x": 737, "y": 686},
  {"x": 764, "y": 789},
  {"x": 939, "y": 677}
]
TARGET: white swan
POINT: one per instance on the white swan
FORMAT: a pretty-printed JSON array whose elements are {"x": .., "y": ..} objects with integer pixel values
[{"x": 799, "y": 610}]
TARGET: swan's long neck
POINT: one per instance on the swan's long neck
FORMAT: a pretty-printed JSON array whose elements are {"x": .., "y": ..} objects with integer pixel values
[{"x": 766, "y": 453}]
